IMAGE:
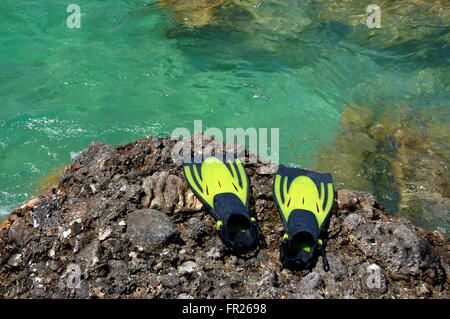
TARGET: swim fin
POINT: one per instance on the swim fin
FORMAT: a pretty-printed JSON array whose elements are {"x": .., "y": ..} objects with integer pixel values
[
  {"x": 304, "y": 200},
  {"x": 221, "y": 183}
]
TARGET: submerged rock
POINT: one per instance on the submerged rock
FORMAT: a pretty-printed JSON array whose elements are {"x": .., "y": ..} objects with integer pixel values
[
  {"x": 429, "y": 19},
  {"x": 80, "y": 241},
  {"x": 196, "y": 13},
  {"x": 398, "y": 155}
]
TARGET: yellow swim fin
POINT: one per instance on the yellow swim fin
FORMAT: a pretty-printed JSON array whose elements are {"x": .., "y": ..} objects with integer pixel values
[
  {"x": 222, "y": 184},
  {"x": 304, "y": 199}
]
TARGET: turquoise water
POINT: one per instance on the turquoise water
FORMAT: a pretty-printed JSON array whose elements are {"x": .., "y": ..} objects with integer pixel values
[{"x": 130, "y": 71}]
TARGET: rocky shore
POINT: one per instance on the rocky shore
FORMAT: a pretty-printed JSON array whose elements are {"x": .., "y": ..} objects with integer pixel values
[{"x": 121, "y": 222}]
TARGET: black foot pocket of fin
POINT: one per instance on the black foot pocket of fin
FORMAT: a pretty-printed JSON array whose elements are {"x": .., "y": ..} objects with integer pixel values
[
  {"x": 298, "y": 250},
  {"x": 296, "y": 259},
  {"x": 304, "y": 199},
  {"x": 240, "y": 238},
  {"x": 239, "y": 232}
]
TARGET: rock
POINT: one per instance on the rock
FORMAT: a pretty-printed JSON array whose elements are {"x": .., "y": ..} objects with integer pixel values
[
  {"x": 97, "y": 157},
  {"x": 423, "y": 291},
  {"x": 114, "y": 246},
  {"x": 352, "y": 221},
  {"x": 267, "y": 169},
  {"x": 310, "y": 282},
  {"x": 90, "y": 253},
  {"x": 195, "y": 228},
  {"x": 104, "y": 233},
  {"x": 31, "y": 203},
  {"x": 213, "y": 253},
  {"x": 168, "y": 193},
  {"x": 347, "y": 200},
  {"x": 15, "y": 261},
  {"x": 150, "y": 228},
  {"x": 337, "y": 266},
  {"x": 186, "y": 268},
  {"x": 170, "y": 281},
  {"x": 18, "y": 233},
  {"x": 397, "y": 247}
]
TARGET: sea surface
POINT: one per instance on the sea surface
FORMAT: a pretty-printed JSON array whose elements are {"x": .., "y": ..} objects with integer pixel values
[{"x": 309, "y": 68}]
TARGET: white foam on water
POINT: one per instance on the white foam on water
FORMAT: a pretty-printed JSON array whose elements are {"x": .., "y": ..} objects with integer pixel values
[
  {"x": 442, "y": 230},
  {"x": 5, "y": 197},
  {"x": 73, "y": 155},
  {"x": 4, "y": 211}
]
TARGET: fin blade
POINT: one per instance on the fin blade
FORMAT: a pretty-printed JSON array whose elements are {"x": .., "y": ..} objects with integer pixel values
[
  {"x": 305, "y": 190},
  {"x": 214, "y": 176}
]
